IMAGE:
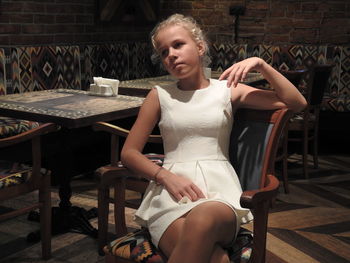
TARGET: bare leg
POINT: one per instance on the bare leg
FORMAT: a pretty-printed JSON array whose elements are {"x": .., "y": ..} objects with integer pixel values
[
  {"x": 219, "y": 255},
  {"x": 197, "y": 236}
]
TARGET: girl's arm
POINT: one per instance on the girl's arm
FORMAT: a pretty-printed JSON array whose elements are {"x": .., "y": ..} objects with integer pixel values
[
  {"x": 284, "y": 93},
  {"x": 131, "y": 154}
]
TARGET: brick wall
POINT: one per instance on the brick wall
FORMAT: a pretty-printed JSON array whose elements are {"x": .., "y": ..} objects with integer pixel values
[
  {"x": 36, "y": 22},
  {"x": 272, "y": 21}
]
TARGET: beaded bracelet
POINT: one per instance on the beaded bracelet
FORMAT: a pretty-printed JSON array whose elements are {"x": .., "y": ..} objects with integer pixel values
[{"x": 156, "y": 175}]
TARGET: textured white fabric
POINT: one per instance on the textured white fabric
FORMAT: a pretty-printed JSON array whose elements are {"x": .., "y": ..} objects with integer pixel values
[{"x": 196, "y": 127}]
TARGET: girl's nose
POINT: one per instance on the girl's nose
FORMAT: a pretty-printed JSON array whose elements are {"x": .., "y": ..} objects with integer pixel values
[{"x": 172, "y": 53}]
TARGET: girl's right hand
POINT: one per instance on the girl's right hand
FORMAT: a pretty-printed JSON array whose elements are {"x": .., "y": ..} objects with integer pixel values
[
  {"x": 238, "y": 71},
  {"x": 179, "y": 186}
]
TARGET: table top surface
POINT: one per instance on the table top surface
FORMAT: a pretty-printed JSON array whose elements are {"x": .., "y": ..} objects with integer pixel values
[
  {"x": 148, "y": 83},
  {"x": 69, "y": 108},
  {"x": 76, "y": 108}
]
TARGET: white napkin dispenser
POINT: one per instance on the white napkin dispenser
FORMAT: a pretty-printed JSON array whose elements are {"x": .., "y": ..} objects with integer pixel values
[{"x": 104, "y": 87}]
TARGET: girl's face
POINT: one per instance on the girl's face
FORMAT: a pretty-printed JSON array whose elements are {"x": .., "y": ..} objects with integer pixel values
[{"x": 179, "y": 53}]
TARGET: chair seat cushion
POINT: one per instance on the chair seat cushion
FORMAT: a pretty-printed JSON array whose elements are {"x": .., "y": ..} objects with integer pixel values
[
  {"x": 13, "y": 174},
  {"x": 241, "y": 250},
  {"x": 137, "y": 246},
  {"x": 11, "y": 126}
]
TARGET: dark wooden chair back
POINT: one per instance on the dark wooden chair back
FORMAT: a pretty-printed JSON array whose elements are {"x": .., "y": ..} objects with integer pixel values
[
  {"x": 303, "y": 126},
  {"x": 294, "y": 76},
  {"x": 29, "y": 179},
  {"x": 254, "y": 143},
  {"x": 319, "y": 80}
]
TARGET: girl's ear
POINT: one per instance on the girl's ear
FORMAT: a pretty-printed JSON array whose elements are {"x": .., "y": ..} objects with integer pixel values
[{"x": 201, "y": 48}]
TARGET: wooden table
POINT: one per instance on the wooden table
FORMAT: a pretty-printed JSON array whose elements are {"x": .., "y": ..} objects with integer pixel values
[
  {"x": 140, "y": 87},
  {"x": 68, "y": 108},
  {"x": 74, "y": 111}
]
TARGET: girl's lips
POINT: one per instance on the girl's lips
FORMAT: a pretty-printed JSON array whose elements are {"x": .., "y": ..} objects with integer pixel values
[{"x": 176, "y": 65}]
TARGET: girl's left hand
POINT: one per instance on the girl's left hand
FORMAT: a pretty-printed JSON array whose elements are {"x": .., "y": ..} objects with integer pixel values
[{"x": 238, "y": 71}]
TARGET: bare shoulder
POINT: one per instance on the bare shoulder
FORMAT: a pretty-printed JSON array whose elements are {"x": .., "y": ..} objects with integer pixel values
[
  {"x": 152, "y": 94},
  {"x": 151, "y": 105}
]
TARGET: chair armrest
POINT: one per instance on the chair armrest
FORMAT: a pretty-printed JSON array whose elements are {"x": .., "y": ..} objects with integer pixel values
[
  {"x": 251, "y": 199},
  {"x": 108, "y": 174},
  {"x": 107, "y": 127},
  {"x": 111, "y": 173},
  {"x": 259, "y": 202},
  {"x": 28, "y": 135},
  {"x": 116, "y": 130}
]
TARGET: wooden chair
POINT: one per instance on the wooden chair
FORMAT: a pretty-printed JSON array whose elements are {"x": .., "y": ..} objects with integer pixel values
[
  {"x": 253, "y": 147},
  {"x": 303, "y": 127},
  {"x": 17, "y": 180},
  {"x": 108, "y": 179},
  {"x": 294, "y": 76}
]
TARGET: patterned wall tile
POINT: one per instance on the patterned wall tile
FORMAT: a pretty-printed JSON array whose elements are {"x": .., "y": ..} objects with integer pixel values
[
  {"x": 340, "y": 103},
  {"x": 68, "y": 67},
  {"x": 44, "y": 66},
  {"x": 333, "y": 55},
  {"x": 14, "y": 77},
  {"x": 223, "y": 55},
  {"x": 266, "y": 53},
  {"x": 344, "y": 80},
  {"x": 110, "y": 61},
  {"x": 2, "y": 72},
  {"x": 36, "y": 68},
  {"x": 86, "y": 66},
  {"x": 322, "y": 55},
  {"x": 140, "y": 63},
  {"x": 26, "y": 80},
  {"x": 310, "y": 56},
  {"x": 253, "y": 50},
  {"x": 287, "y": 57}
]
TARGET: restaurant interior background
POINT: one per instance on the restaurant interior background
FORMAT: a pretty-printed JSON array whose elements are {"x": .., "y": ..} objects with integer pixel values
[
  {"x": 260, "y": 22},
  {"x": 62, "y": 37}
]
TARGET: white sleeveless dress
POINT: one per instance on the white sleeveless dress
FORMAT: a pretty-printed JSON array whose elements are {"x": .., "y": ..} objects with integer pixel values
[{"x": 195, "y": 126}]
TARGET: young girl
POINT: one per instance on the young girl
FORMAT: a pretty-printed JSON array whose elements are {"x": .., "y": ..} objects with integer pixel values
[{"x": 191, "y": 206}]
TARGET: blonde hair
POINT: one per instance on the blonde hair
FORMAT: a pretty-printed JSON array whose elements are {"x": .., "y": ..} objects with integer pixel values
[{"x": 186, "y": 22}]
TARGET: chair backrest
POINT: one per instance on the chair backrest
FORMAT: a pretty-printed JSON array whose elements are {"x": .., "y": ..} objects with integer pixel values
[
  {"x": 318, "y": 82},
  {"x": 294, "y": 76},
  {"x": 254, "y": 143}
]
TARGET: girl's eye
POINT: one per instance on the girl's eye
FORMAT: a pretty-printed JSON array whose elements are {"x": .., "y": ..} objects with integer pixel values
[
  {"x": 178, "y": 44},
  {"x": 164, "y": 53}
]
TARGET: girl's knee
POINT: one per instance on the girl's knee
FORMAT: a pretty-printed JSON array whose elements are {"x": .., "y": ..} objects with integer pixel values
[
  {"x": 212, "y": 213},
  {"x": 213, "y": 218}
]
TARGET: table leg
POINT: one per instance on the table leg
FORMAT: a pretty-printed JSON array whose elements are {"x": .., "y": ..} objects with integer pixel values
[{"x": 65, "y": 217}]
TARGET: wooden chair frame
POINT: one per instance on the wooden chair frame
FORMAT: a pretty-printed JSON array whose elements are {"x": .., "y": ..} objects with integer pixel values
[
  {"x": 38, "y": 181},
  {"x": 294, "y": 76},
  {"x": 308, "y": 125},
  {"x": 258, "y": 200}
]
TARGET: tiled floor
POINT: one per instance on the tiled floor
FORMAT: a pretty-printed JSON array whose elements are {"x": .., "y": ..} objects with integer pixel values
[{"x": 311, "y": 224}]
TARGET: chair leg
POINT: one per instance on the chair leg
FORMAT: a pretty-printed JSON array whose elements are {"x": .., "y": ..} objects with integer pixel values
[
  {"x": 119, "y": 208},
  {"x": 285, "y": 174},
  {"x": 315, "y": 150},
  {"x": 45, "y": 216},
  {"x": 285, "y": 162},
  {"x": 260, "y": 228},
  {"x": 305, "y": 152},
  {"x": 103, "y": 211}
]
